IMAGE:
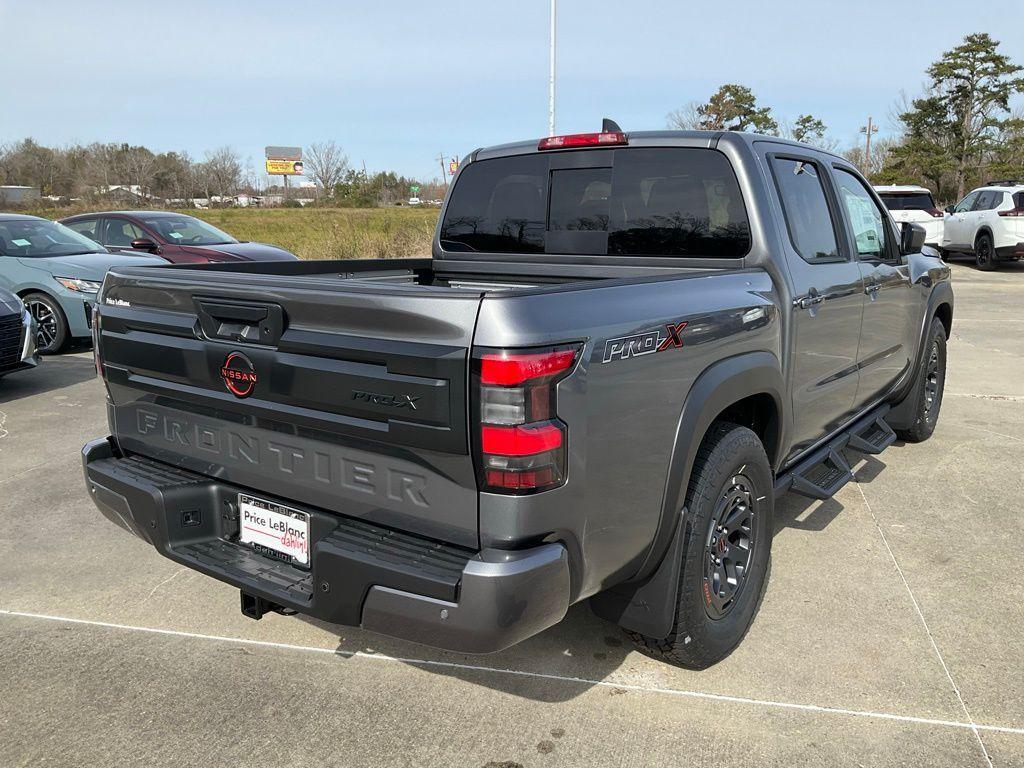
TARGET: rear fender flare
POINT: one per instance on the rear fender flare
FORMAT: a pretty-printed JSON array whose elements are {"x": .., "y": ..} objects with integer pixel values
[{"x": 646, "y": 603}]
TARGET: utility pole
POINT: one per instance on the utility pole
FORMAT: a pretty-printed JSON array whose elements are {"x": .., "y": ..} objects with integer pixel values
[
  {"x": 444, "y": 171},
  {"x": 551, "y": 79},
  {"x": 867, "y": 130}
]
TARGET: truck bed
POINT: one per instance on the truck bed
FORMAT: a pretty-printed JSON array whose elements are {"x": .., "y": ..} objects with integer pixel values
[
  {"x": 410, "y": 273},
  {"x": 360, "y": 400}
]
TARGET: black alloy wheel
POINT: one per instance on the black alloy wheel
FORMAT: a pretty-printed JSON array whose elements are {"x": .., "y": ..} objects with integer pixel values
[
  {"x": 932, "y": 384},
  {"x": 984, "y": 255},
  {"x": 730, "y": 547},
  {"x": 51, "y": 326}
]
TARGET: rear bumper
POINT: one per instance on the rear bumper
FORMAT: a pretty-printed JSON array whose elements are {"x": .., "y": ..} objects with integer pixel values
[
  {"x": 1010, "y": 251},
  {"x": 360, "y": 575}
]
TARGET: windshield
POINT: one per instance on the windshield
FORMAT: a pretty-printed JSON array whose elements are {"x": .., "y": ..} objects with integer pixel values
[
  {"x": 622, "y": 202},
  {"x": 34, "y": 238},
  {"x": 903, "y": 201},
  {"x": 184, "y": 230}
]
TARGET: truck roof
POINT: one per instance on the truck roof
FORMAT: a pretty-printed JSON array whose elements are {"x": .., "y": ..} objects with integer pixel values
[{"x": 651, "y": 138}]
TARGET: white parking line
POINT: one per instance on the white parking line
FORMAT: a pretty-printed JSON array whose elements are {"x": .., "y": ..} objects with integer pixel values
[
  {"x": 974, "y": 396},
  {"x": 927, "y": 629},
  {"x": 813, "y": 708}
]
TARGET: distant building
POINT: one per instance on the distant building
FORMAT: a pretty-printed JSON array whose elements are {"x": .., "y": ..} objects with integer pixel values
[
  {"x": 16, "y": 195},
  {"x": 131, "y": 194}
]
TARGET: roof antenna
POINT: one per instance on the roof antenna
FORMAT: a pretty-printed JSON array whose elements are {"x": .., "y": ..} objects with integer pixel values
[{"x": 610, "y": 126}]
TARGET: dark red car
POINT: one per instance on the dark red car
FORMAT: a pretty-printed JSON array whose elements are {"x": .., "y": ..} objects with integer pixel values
[{"x": 177, "y": 237}]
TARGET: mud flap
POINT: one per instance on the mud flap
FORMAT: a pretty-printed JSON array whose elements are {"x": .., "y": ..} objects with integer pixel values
[{"x": 647, "y": 607}]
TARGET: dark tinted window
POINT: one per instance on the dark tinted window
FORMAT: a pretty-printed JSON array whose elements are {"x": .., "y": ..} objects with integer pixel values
[
  {"x": 806, "y": 209},
  {"x": 498, "y": 206},
  {"x": 984, "y": 201},
  {"x": 1018, "y": 200},
  {"x": 647, "y": 202},
  {"x": 988, "y": 201},
  {"x": 908, "y": 201},
  {"x": 683, "y": 202}
]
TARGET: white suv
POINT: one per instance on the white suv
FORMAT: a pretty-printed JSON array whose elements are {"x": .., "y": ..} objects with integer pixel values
[
  {"x": 988, "y": 224},
  {"x": 916, "y": 205}
]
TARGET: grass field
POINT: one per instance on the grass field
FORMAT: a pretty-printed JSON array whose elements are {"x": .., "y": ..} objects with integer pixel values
[
  {"x": 316, "y": 233},
  {"x": 332, "y": 233}
]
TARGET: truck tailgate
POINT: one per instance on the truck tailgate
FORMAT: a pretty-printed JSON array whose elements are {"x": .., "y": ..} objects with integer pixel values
[{"x": 349, "y": 398}]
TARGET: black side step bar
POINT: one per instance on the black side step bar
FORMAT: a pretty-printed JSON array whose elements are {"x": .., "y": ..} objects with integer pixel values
[
  {"x": 874, "y": 438},
  {"x": 822, "y": 478},
  {"x": 826, "y": 470}
]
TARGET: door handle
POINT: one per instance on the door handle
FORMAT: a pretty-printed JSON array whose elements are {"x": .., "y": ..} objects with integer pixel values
[
  {"x": 872, "y": 288},
  {"x": 808, "y": 301}
]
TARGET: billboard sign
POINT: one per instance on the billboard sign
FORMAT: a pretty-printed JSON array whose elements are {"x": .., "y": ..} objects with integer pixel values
[
  {"x": 284, "y": 167},
  {"x": 284, "y": 153}
]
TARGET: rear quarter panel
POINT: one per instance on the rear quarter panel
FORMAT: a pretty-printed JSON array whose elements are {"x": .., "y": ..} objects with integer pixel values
[{"x": 622, "y": 413}]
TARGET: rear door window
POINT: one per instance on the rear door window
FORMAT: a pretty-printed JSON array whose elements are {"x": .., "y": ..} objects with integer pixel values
[
  {"x": 984, "y": 202},
  {"x": 640, "y": 202},
  {"x": 806, "y": 209},
  {"x": 904, "y": 201}
]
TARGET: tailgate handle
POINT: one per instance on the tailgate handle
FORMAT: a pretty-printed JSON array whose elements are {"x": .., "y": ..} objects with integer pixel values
[{"x": 238, "y": 321}]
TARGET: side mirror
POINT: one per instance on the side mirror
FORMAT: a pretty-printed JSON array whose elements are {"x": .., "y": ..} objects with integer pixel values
[
  {"x": 950, "y": 209},
  {"x": 144, "y": 244},
  {"x": 911, "y": 238}
]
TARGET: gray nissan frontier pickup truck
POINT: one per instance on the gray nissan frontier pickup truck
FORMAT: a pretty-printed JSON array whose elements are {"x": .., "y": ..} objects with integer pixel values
[{"x": 624, "y": 348}]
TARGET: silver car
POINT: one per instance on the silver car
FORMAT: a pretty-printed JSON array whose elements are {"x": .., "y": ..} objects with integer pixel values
[
  {"x": 17, "y": 335},
  {"x": 56, "y": 272}
]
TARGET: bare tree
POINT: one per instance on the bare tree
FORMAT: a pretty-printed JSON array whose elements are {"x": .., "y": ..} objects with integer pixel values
[
  {"x": 137, "y": 168},
  {"x": 686, "y": 118},
  {"x": 327, "y": 164},
  {"x": 881, "y": 149},
  {"x": 223, "y": 172}
]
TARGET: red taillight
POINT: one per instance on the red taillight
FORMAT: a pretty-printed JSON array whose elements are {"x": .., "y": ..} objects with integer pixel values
[
  {"x": 523, "y": 440},
  {"x": 1013, "y": 212},
  {"x": 521, "y": 444},
  {"x": 508, "y": 369},
  {"x": 936, "y": 213},
  {"x": 607, "y": 138}
]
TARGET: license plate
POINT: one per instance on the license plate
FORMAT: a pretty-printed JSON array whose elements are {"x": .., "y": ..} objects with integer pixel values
[{"x": 274, "y": 530}]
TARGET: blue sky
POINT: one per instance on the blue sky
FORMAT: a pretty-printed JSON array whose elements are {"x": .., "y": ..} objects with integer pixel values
[{"x": 396, "y": 83}]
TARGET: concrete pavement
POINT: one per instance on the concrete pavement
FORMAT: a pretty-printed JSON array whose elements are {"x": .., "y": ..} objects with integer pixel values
[{"x": 890, "y": 633}]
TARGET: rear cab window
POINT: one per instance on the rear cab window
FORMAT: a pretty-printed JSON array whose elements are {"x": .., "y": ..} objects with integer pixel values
[{"x": 671, "y": 202}]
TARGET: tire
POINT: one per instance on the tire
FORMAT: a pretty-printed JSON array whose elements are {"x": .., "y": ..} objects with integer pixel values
[
  {"x": 929, "y": 386},
  {"x": 984, "y": 253},
  {"x": 53, "y": 334},
  {"x": 731, "y": 470}
]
